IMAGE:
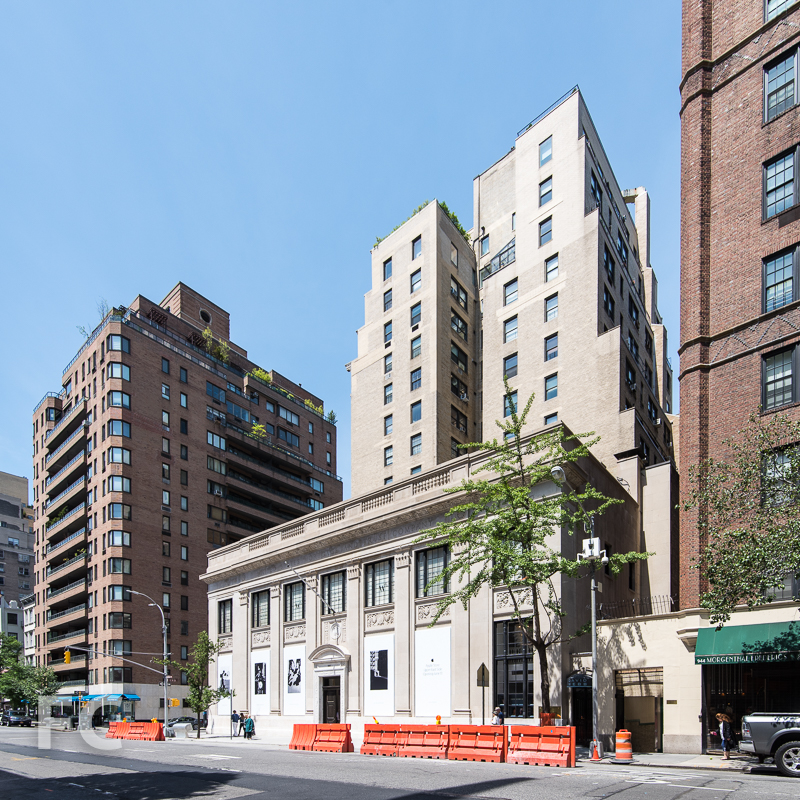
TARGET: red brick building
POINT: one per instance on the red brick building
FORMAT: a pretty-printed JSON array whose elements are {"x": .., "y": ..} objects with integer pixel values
[
  {"x": 144, "y": 460},
  {"x": 740, "y": 229}
]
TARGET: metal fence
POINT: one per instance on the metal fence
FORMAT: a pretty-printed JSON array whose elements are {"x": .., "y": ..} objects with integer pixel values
[{"x": 638, "y": 607}]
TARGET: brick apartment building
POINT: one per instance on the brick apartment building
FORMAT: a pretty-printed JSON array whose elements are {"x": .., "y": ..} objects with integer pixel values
[
  {"x": 146, "y": 459},
  {"x": 16, "y": 538},
  {"x": 740, "y": 206}
]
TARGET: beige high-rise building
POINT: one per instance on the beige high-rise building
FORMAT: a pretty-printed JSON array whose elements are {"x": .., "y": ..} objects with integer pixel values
[{"x": 564, "y": 303}]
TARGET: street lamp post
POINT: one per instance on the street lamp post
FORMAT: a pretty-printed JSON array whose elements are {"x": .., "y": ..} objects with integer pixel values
[
  {"x": 592, "y": 553},
  {"x": 164, "y": 634}
]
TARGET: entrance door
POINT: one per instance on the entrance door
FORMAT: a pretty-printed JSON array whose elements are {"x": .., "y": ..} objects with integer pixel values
[
  {"x": 582, "y": 714},
  {"x": 330, "y": 700}
]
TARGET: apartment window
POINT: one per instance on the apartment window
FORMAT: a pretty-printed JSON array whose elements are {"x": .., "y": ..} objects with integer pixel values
[
  {"x": 215, "y": 393},
  {"x": 165, "y": 391},
  {"x": 458, "y": 357},
  {"x": 165, "y": 600},
  {"x": 510, "y": 292},
  {"x": 458, "y": 292},
  {"x": 551, "y": 347},
  {"x": 630, "y": 376},
  {"x": 379, "y": 583},
  {"x": 118, "y": 483},
  {"x": 184, "y": 503},
  {"x": 774, "y": 7},
  {"x": 388, "y": 456},
  {"x": 119, "y": 399},
  {"x": 184, "y": 552},
  {"x": 119, "y": 511},
  {"x": 545, "y": 191},
  {"x": 597, "y": 192},
  {"x": 779, "y": 83},
  {"x": 416, "y": 281},
  {"x": 225, "y": 616},
  {"x": 119, "y": 370},
  {"x": 633, "y": 310},
  {"x": 184, "y": 375},
  {"x": 289, "y": 437},
  {"x": 551, "y": 419},
  {"x": 333, "y": 592},
  {"x": 119, "y": 593},
  {"x": 387, "y": 299},
  {"x": 185, "y": 450},
  {"x": 387, "y": 481},
  {"x": 165, "y": 445},
  {"x": 779, "y": 280},
  {"x": 648, "y": 343},
  {"x": 387, "y": 394},
  {"x": 608, "y": 263},
  {"x": 387, "y": 364},
  {"x": 416, "y": 314},
  {"x": 510, "y": 329},
  {"x": 453, "y": 255},
  {"x": 416, "y": 411},
  {"x": 777, "y": 379},
  {"x": 416, "y": 378},
  {"x": 116, "y": 342},
  {"x": 431, "y": 565},
  {"x": 510, "y": 365},
  {"x": 119, "y": 566},
  {"x": 608, "y": 302},
  {"x": 551, "y": 307},
  {"x": 260, "y": 606},
  {"x": 416, "y": 248},
  {"x": 165, "y": 365},
  {"x": 633, "y": 345},
  {"x": 545, "y": 151},
  {"x": 551, "y": 387},
  {"x": 551, "y": 268},
  {"x": 184, "y": 478},
  {"x": 416, "y": 346},
  {"x": 387, "y": 425},
  {"x": 459, "y": 388},
  {"x": 545, "y": 231},
  {"x": 294, "y": 595},
  {"x": 184, "y": 627},
  {"x": 165, "y": 524},
  {"x": 387, "y": 332},
  {"x": 484, "y": 246},
  {"x": 216, "y": 441},
  {"x": 458, "y": 325},
  {"x": 119, "y": 539},
  {"x": 622, "y": 249},
  {"x": 165, "y": 419},
  {"x": 119, "y": 619},
  {"x": 184, "y": 400},
  {"x": 416, "y": 470},
  {"x": 778, "y": 185},
  {"x": 387, "y": 269},
  {"x": 165, "y": 498},
  {"x": 458, "y": 419},
  {"x": 289, "y": 416},
  {"x": 455, "y": 448},
  {"x": 510, "y": 404},
  {"x": 416, "y": 444}
]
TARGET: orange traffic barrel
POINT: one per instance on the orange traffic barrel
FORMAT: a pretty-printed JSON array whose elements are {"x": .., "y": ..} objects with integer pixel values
[{"x": 624, "y": 751}]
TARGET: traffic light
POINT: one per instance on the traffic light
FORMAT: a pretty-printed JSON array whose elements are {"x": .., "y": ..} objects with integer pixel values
[{"x": 67, "y": 655}]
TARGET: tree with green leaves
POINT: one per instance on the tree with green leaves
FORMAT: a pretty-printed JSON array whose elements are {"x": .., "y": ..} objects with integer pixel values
[
  {"x": 747, "y": 507},
  {"x": 39, "y": 682},
  {"x": 202, "y": 656},
  {"x": 21, "y": 682},
  {"x": 505, "y": 531}
]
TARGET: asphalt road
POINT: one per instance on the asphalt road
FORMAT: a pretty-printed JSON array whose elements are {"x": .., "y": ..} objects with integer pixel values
[{"x": 73, "y": 769}]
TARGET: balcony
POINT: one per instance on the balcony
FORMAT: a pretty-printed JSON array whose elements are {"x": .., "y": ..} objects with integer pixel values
[
  {"x": 76, "y": 587},
  {"x": 80, "y": 683},
  {"x": 66, "y": 613},
  {"x": 260, "y": 466},
  {"x": 66, "y": 492},
  {"x": 60, "y": 476},
  {"x": 73, "y": 563},
  {"x": 62, "y": 426},
  {"x": 70, "y": 515},
  {"x": 262, "y": 490},
  {"x": 59, "y": 666},
  {"x": 66, "y": 443},
  {"x": 70, "y": 635},
  {"x": 258, "y": 509},
  {"x": 78, "y": 535},
  {"x": 508, "y": 255}
]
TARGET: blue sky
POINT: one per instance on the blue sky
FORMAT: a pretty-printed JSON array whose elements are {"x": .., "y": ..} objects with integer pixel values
[{"x": 254, "y": 150}]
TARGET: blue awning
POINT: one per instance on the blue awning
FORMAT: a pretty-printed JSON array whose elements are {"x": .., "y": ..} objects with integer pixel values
[{"x": 131, "y": 697}]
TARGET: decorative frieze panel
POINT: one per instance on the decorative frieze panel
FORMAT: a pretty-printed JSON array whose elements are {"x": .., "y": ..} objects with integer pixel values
[
  {"x": 504, "y": 602},
  {"x": 353, "y": 573},
  {"x": 426, "y": 613},
  {"x": 334, "y": 631},
  {"x": 294, "y": 633},
  {"x": 243, "y": 598},
  {"x": 379, "y": 619},
  {"x": 225, "y": 643},
  {"x": 261, "y": 638},
  {"x": 402, "y": 560}
]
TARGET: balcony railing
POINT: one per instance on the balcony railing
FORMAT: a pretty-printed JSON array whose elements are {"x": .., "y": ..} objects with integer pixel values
[
  {"x": 637, "y": 607},
  {"x": 66, "y": 491},
  {"x": 73, "y": 683},
  {"x": 71, "y": 537},
  {"x": 68, "y": 588},
  {"x": 51, "y": 525},
  {"x": 63, "y": 469},
  {"x": 508, "y": 255},
  {"x": 56, "y": 661},
  {"x": 71, "y": 635},
  {"x": 66, "y": 564},
  {"x": 277, "y": 470},
  {"x": 77, "y": 432},
  {"x": 66, "y": 417},
  {"x": 236, "y": 498},
  {"x": 65, "y": 613},
  {"x": 46, "y": 395},
  {"x": 270, "y": 490}
]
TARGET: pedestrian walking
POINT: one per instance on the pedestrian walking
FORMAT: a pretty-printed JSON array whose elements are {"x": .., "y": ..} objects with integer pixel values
[
  {"x": 249, "y": 728},
  {"x": 242, "y": 720},
  {"x": 725, "y": 734},
  {"x": 498, "y": 718},
  {"x": 235, "y": 723}
]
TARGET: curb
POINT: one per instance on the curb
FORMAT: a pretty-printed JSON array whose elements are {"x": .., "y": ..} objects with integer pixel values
[{"x": 744, "y": 768}]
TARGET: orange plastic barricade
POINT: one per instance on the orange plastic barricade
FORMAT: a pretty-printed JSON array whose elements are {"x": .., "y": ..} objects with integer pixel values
[
  {"x": 382, "y": 740},
  {"x": 477, "y": 743},
  {"x": 624, "y": 752},
  {"x": 302, "y": 737},
  {"x": 548, "y": 747},
  {"x": 332, "y": 738},
  {"x": 135, "y": 730},
  {"x": 153, "y": 732},
  {"x": 117, "y": 730},
  {"x": 424, "y": 741}
]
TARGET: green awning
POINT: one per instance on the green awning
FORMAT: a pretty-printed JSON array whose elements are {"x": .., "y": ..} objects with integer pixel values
[{"x": 748, "y": 644}]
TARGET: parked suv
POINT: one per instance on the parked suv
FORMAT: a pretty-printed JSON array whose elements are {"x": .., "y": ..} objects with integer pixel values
[{"x": 776, "y": 735}]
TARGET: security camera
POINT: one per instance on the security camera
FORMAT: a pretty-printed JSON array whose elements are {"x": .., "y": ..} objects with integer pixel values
[{"x": 604, "y": 560}]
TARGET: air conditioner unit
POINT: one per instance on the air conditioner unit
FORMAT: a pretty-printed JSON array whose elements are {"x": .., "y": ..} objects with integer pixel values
[
  {"x": 218, "y": 492},
  {"x": 658, "y": 422}
]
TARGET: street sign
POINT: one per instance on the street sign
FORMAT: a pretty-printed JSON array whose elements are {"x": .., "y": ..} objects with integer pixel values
[{"x": 483, "y": 676}]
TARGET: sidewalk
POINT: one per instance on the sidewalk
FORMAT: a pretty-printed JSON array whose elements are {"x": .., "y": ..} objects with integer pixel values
[{"x": 738, "y": 762}]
